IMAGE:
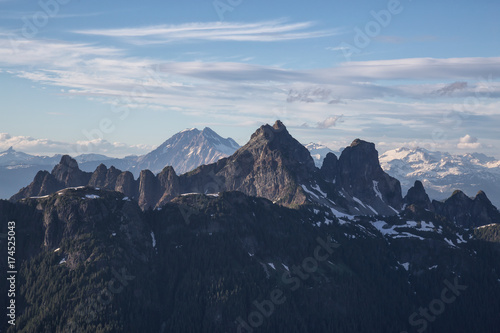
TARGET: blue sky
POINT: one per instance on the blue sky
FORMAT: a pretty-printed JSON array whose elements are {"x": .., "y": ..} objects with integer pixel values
[{"x": 120, "y": 77}]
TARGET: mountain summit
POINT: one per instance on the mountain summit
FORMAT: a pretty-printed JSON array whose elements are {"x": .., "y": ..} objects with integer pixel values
[{"x": 187, "y": 150}]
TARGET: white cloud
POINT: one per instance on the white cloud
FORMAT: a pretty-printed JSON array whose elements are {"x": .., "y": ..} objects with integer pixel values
[
  {"x": 329, "y": 122},
  {"x": 32, "y": 145},
  {"x": 266, "y": 31},
  {"x": 468, "y": 142}
]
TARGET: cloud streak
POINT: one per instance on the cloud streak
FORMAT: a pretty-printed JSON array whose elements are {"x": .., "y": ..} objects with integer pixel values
[{"x": 266, "y": 31}]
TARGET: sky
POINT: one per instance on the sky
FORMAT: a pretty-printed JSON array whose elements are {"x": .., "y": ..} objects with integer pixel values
[{"x": 120, "y": 77}]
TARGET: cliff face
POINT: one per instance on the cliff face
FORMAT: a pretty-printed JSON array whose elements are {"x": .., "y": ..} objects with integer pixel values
[{"x": 360, "y": 174}]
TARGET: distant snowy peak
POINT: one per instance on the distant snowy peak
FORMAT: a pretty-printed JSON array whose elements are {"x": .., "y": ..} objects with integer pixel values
[
  {"x": 442, "y": 173},
  {"x": 11, "y": 157},
  {"x": 187, "y": 150},
  {"x": 318, "y": 152}
]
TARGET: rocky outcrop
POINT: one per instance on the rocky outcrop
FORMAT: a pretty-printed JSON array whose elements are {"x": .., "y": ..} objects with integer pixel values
[
  {"x": 65, "y": 174},
  {"x": 359, "y": 174},
  {"x": 361, "y": 182},
  {"x": 104, "y": 177},
  {"x": 169, "y": 183},
  {"x": 329, "y": 168},
  {"x": 149, "y": 189},
  {"x": 467, "y": 212},
  {"x": 68, "y": 173},
  {"x": 418, "y": 197}
]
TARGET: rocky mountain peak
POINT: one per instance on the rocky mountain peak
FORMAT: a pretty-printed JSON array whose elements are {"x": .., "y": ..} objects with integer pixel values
[
  {"x": 68, "y": 173},
  {"x": 467, "y": 212},
  {"x": 279, "y": 126},
  {"x": 418, "y": 197},
  {"x": 68, "y": 161},
  {"x": 329, "y": 167},
  {"x": 359, "y": 173}
]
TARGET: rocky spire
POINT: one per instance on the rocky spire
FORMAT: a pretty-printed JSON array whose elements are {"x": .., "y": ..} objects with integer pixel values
[{"x": 418, "y": 197}]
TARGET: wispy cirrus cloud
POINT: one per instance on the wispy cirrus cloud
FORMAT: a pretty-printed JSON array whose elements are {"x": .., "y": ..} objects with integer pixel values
[
  {"x": 265, "y": 31},
  {"x": 386, "y": 96}
]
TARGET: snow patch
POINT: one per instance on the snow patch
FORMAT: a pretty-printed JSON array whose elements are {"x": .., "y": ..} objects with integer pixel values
[
  {"x": 377, "y": 191},
  {"x": 406, "y": 265},
  {"x": 373, "y": 210},
  {"x": 449, "y": 242},
  {"x": 92, "y": 196},
  {"x": 153, "y": 239},
  {"x": 359, "y": 201},
  {"x": 486, "y": 226}
]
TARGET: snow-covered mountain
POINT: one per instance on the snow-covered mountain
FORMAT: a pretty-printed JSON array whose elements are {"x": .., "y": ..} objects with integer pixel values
[
  {"x": 187, "y": 150},
  {"x": 318, "y": 152},
  {"x": 13, "y": 159},
  {"x": 442, "y": 173}
]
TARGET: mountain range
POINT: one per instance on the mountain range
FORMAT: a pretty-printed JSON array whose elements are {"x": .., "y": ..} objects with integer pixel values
[
  {"x": 184, "y": 151},
  {"x": 261, "y": 240},
  {"x": 442, "y": 173}
]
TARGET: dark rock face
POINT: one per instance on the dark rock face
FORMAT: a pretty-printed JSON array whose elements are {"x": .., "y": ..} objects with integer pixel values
[
  {"x": 169, "y": 183},
  {"x": 65, "y": 174},
  {"x": 149, "y": 189},
  {"x": 329, "y": 167},
  {"x": 359, "y": 174},
  {"x": 104, "y": 177},
  {"x": 68, "y": 173},
  {"x": 43, "y": 184},
  {"x": 418, "y": 197},
  {"x": 125, "y": 183},
  {"x": 467, "y": 212}
]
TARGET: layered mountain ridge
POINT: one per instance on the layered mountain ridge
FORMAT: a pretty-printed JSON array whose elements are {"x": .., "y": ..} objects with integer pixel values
[{"x": 275, "y": 166}]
